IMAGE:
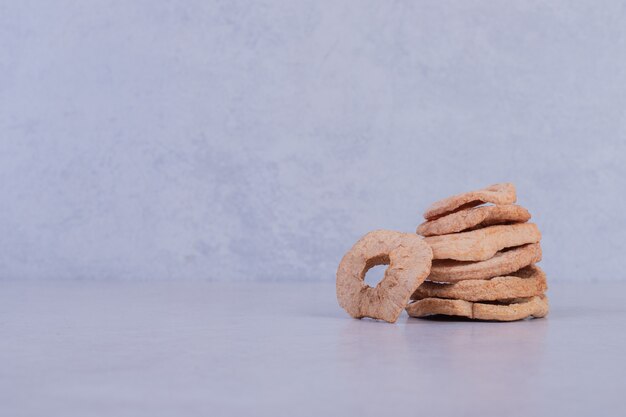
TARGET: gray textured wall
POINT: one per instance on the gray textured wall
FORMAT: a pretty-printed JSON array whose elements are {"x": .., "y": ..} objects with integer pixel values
[{"x": 258, "y": 140}]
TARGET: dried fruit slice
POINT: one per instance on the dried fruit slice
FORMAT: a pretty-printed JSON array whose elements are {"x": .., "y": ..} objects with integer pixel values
[
  {"x": 511, "y": 310},
  {"x": 482, "y": 244},
  {"x": 526, "y": 282},
  {"x": 502, "y": 263},
  {"x": 409, "y": 259},
  {"x": 503, "y": 193},
  {"x": 476, "y": 217}
]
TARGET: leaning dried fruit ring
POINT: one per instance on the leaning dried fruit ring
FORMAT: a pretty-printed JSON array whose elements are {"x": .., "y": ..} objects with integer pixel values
[{"x": 409, "y": 259}]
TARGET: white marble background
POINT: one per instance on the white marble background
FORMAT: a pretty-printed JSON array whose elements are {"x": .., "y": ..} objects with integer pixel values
[{"x": 243, "y": 140}]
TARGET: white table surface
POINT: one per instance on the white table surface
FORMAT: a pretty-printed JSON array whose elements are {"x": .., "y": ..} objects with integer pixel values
[{"x": 78, "y": 348}]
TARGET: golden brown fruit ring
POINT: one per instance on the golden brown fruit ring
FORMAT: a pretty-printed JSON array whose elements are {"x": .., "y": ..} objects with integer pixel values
[
  {"x": 509, "y": 310},
  {"x": 482, "y": 244},
  {"x": 503, "y": 193},
  {"x": 409, "y": 259},
  {"x": 527, "y": 282},
  {"x": 502, "y": 263},
  {"x": 474, "y": 218}
]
